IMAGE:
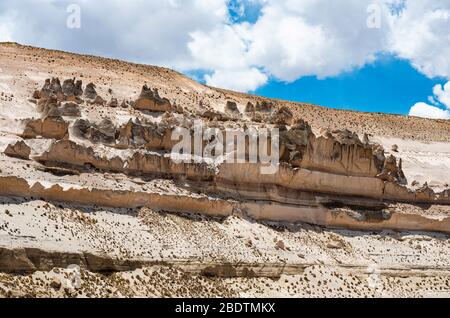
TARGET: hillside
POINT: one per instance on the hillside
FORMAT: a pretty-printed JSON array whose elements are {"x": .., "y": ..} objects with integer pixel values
[{"x": 93, "y": 201}]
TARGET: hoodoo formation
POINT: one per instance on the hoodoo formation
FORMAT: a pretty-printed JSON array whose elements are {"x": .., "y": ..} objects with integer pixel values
[{"x": 88, "y": 177}]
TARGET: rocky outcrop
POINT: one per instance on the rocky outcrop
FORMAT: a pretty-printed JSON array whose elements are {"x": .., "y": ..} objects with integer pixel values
[
  {"x": 150, "y": 136},
  {"x": 341, "y": 152},
  {"x": 282, "y": 116},
  {"x": 30, "y": 260},
  {"x": 18, "y": 150},
  {"x": 72, "y": 88},
  {"x": 49, "y": 128},
  {"x": 52, "y": 87},
  {"x": 69, "y": 154},
  {"x": 214, "y": 115},
  {"x": 90, "y": 92},
  {"x": 150, "y": 100},
  {"x": 315, "y": 172},
  {"x": 104, "y": 132},
  {"x": 51, "y": 107},
  {"x": 69, "y": 91},
  {"x": 209, "y": 206},
  {"x": 317, "y": 214}
]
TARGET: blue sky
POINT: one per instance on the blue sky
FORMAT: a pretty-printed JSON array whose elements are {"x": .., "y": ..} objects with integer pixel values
[
  {"x": 368, "y": 55},
  {"x": 389, "y": 85}
]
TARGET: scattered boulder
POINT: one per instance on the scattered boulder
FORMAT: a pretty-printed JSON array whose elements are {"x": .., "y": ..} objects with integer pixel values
[
  {"x": 98, "y": 101},
  {"x": 125, "y": 104},
  {"x": 90, "y": 92},
  {"x": 114, "y": 103},
  {"x": 335, "y": 245},
  {"x": 394, "y": 148},
  {"x": 151, "y": 101},
  {"x": 19, "y": 150},
  {"x": 56, "y": 283},
  {"x": 280, "y": 246}
]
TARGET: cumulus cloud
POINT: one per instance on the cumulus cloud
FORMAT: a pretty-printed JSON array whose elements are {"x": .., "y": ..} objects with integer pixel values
[
  {"x": 440, "y": 100},
  {"x": 442, "y": 94},
  {"x": 427, "y": 111},
  {"x": 153, "y": 31},
  {"x": 420, "y": 34},
  {"x": 295, "y": 38},
  {"x": 245, "y": 79},
  {"x": 284, "y": 39}
]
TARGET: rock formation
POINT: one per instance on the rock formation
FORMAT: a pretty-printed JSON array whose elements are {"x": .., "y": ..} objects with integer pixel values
[
  {"x": 71, "y": 88},
  {"x": 151, "y": 101},
  {"x": 90, "y": 92},
  {"x": 19, "y": 150},
  {"x": 104, "y": 132},
  {"x": 231, "y": 107},
  {"x": 50, "y": 128}
]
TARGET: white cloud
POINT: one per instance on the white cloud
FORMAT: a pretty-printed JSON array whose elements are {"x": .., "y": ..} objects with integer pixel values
[
  {"x": 290, "y": 39},
  {"x": 421, "y": 34},
  {"x": 440, "y": 99},
  {"x": 225, "y": 53},
  {"x": 155, "y": 31},
  {"x": 428, "y": 111},
  {"x": 442, "y": 94},
  {"x": 295, "y": 38},
  {"x": 245, "y": 79}
]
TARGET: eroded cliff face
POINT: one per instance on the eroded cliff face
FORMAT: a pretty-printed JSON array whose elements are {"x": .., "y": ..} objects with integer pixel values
[
  {"x": 89, "y": 170},
  {"x": 335, "y": 167}
]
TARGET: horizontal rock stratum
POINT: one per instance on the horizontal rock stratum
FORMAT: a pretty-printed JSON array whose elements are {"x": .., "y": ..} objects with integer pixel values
[{"x": 88, "y": 177}]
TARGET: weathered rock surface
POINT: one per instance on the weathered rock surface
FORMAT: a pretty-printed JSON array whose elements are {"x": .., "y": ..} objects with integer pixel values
[
  {"x": 50, "y": 128},
  {"x": 19, "y": 150},
  {"x": 71, "y": 87},
  {"x": 94, "y": 184},
  {"x": 151, "y": 101}
]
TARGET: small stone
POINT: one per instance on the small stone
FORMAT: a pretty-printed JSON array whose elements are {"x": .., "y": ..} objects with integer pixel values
[
  {"x": 280, "y": 246},
  {"x": 56, "y": 283},
  {"x": 113, "y": 103}
]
